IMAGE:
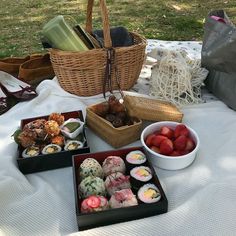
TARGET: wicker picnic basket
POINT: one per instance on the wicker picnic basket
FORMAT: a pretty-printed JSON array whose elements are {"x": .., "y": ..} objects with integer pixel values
[{"x": 84, "y": 73}]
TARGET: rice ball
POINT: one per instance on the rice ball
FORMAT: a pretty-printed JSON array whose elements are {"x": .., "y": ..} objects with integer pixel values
[{"x": 90, "y": 167}]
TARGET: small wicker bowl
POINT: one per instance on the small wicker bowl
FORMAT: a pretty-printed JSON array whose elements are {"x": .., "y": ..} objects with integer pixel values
[{"x": 169, "y": 162}]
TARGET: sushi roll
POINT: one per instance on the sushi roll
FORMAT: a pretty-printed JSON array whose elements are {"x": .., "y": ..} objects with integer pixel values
[
  {"x": 113, "y": 164},
  {"x": 116, "y": 181},
  {"x": 73, "y": 145},
  {"x": 135, "y": 158},
  {"x": 51, "y": 148},
  {"x": 123, "y": 198},
  {"x": 140, "y": 175},
  {"x": 92, "y": 186},
  {"x": 149, "y": 193},
  {"x": 93, "y": 204},
  {"x": 90, "y": 167},
  {"x": 31, "y": 151}
]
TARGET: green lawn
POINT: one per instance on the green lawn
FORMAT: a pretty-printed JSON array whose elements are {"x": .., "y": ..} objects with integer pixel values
[{"x": 21, "y": 21}]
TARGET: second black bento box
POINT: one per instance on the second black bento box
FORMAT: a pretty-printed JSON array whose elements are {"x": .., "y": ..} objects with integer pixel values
[{"x": 87, "y": 220}]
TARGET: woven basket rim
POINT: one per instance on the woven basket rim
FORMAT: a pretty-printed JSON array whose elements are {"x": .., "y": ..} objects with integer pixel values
[
  {"x": 99, "y": 50},
  {"x": 124, "y": 127}
]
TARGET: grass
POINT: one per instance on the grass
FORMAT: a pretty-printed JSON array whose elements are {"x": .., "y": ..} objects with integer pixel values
[{"x": 21, "y": 21}]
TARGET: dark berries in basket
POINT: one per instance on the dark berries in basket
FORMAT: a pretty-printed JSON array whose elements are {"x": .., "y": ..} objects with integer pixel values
[
  {"x": 122, "y": 115},
  {"x": 110, "y": 117},
  {"x": 114, "y": 111},
  {"x": 118, "y": 122}
]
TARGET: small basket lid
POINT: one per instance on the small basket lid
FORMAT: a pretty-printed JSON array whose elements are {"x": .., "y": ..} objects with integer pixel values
[{"x": 152, "y": 109}]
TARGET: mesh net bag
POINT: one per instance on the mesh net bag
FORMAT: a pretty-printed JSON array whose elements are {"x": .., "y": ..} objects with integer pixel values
[{"x": 177, "y": 78}]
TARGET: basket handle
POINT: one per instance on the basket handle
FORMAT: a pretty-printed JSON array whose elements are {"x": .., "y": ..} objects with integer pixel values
[{"x": 105, "y": 21}]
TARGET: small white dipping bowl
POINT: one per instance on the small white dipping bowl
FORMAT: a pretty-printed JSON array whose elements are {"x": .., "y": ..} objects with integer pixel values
[
  {"x": 74, "y": 134},
  {"x": 169, "y": 162}
]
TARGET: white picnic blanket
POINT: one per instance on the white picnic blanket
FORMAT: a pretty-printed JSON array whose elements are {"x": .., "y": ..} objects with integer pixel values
[{"x": 201, "y": 197}]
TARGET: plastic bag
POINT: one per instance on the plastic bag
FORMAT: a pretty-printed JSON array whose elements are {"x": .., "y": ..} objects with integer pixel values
[{"x": 219, "y": 57}]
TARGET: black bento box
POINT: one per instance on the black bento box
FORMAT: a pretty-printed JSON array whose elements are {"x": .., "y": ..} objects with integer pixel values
[
  {"x": 111, "y": 216},
  {"x": 28, "y": 165}
]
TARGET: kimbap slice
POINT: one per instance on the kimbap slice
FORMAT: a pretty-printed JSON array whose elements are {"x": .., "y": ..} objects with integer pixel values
[
  {"x": 149, "y": 193},
  {"x": 51, "y": 148},
  {"x": 31, "y": 151},
  {"x": 73, "y": 145},
  {"x": 135, "y": 158},
  {"x": 141, "y": 173}
]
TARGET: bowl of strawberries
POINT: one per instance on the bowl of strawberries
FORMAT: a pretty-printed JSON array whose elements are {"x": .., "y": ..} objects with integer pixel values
[{"x": 170, "y": 145}]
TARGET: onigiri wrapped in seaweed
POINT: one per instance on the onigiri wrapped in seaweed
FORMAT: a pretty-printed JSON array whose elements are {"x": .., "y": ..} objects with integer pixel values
[
  {"x": 94, "y": 204},
  {"x": 113, "y": 164},
  {"x": 92, "y": 186},
  {"x": 90, "y": 167},
  {"x": 123, "y": 198},
  {"x": 115, "y": 182}
]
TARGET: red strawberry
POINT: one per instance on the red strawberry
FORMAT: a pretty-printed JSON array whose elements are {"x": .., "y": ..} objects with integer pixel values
[
  {"x": 190, "y": 145},
  {"x": 183, "y": 152},
  {"x": 181, "y": 129},
  {"x": 166, "y": 131},
  {"x": 157, "y": 132},
  {"x": 156, "y": 141},
  {"x": 180, "y": 143},
  {"x": 148, "y": 139},
  {"x": 175, "y": 153},
  {"x": 166, "y": 147},
  {"x": 155, "y": 149}
]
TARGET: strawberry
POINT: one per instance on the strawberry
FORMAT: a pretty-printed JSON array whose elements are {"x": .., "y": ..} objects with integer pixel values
[
  {"x": 181, "y": 129},
  {"x": 156, "y": 141},
  {"x": 183, "y": 152},
  {"x": 180, "y": 142},
  {"x": 155, "y": 149},
  {"x": 166, "y": 147},
  {"x": 190, "y": 145},
  {"x": 175, "y": 153},
  {"x": 157, "y": 132},
  {"x": 166, "y": 131},
  {"x": 148, "y": 139}
]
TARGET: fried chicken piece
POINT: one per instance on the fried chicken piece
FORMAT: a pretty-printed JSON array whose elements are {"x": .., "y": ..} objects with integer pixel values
[
  {"x": 57, "y": 117},
  {"x": 59, "y": 140},
  {"x": 26, "y": 139},
  {"x": 52, "y": 128},
  {"x": 36, "y": 128}
]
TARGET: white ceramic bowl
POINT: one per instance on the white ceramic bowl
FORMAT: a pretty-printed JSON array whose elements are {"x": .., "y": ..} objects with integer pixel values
[{"x": 169, "y": 162}]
